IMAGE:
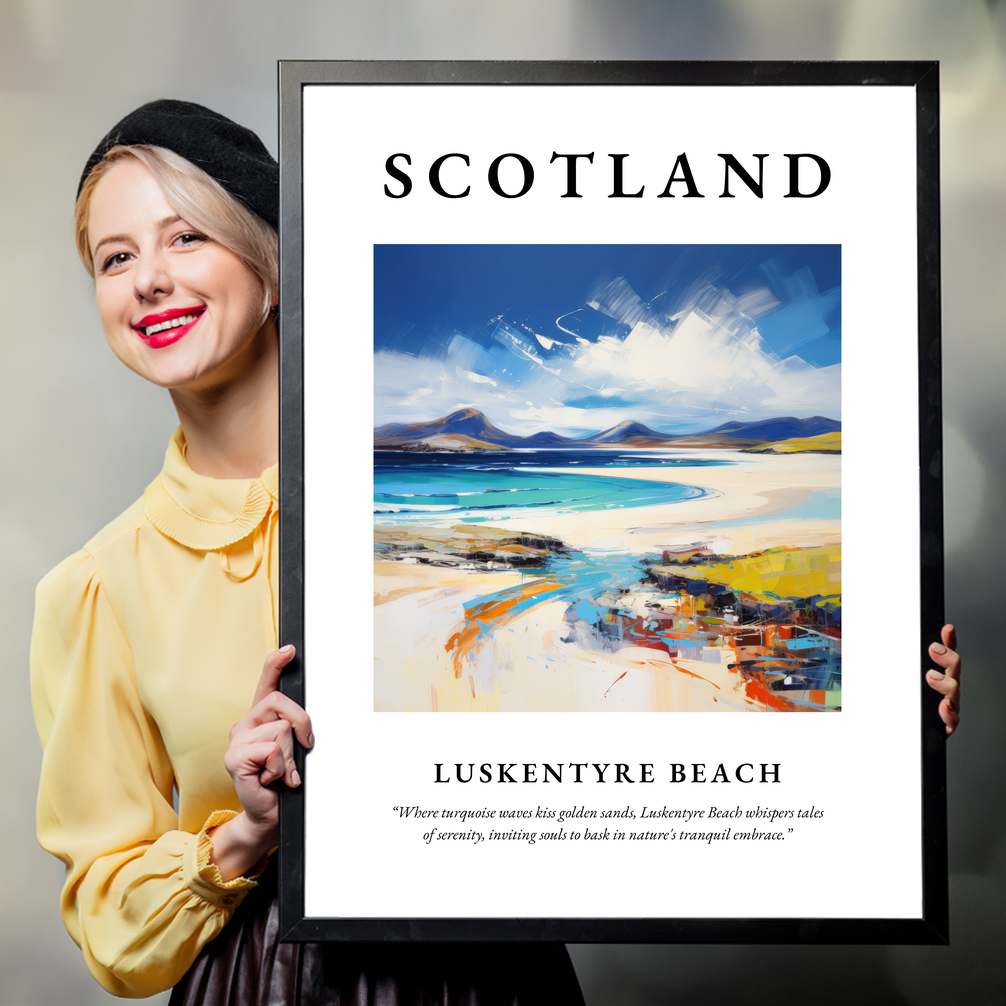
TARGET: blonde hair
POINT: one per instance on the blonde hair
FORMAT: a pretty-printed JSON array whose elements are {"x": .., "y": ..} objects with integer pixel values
[{"x": 199, "y": 200}]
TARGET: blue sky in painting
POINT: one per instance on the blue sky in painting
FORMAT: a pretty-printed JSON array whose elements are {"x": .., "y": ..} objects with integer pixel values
[{"x": 576, "y": 338}]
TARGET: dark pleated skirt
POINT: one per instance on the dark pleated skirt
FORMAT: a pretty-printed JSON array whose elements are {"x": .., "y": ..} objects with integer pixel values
[{"x": 246, "y": 965}]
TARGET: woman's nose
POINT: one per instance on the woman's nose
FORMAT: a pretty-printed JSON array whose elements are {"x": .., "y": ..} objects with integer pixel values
[{"x": 152, "y": 277}]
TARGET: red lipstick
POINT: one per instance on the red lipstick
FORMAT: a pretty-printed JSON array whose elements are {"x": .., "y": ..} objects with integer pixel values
[{"x": 165, "y": 333}]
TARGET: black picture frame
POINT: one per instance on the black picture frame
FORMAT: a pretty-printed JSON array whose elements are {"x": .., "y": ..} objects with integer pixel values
[{"x": 932, "y": 925}]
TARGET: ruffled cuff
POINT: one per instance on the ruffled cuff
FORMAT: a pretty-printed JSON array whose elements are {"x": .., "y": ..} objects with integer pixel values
[{"x": 203, "y": 878}]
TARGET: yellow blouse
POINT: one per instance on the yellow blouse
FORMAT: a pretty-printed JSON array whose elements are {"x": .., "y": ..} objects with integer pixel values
[{"x": 147, "y": 647}]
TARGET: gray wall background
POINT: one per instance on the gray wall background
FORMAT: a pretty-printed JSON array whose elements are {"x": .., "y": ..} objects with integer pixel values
[{"x": 82, "y": 436}]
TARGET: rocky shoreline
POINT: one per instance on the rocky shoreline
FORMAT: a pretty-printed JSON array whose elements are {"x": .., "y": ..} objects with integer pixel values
[{"x": 466, "y": 546}]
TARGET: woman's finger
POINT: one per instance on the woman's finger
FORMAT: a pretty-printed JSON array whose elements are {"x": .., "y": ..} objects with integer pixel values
[
  {"x": 947, "y": 681},
  {"x": 949, "y": 688},
  {"x": 279, "y": 732},
  {"x": 277, "y": 706},
  {"x": 950, "y": 716},
  {"x": 944, "y": 684},
  {"x": 948, "y": 659},
  {"x": 949, "y": 636},
  {"x": 271, "y": 671},
  {"x": 259, "y": 760},
  {"x": 273, "y": 766}
]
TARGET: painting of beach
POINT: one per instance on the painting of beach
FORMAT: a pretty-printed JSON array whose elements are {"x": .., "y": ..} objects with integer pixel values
[{"x": 607, "y": 478}]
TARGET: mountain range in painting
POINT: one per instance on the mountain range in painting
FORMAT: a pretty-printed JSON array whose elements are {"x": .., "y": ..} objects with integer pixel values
[{"x": 468, "y": 430}]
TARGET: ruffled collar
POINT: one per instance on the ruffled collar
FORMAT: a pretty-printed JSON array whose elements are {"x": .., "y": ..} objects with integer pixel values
[{"x": 203, "y": 513}]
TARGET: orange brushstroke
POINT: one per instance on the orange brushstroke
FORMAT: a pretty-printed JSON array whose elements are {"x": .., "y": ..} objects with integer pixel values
[
  {"x": 467, "y": 640},
  {"x": 615, "y": 682},
  {"x": 684, "y": 670},
  {"x": 757, "y": 690}
]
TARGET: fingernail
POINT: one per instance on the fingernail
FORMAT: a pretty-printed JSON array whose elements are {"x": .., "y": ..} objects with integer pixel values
[
  {"x": 295, "y": 777},
  {"x": 938, "y": 648},
  {"x": 310, "y": 740},
  {"x": 936, "y": 675},
  {"x": 287, "y": 649}
]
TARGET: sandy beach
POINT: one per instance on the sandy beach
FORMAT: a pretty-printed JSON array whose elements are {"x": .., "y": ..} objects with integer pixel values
[
  {"x": 497, "y": 640},
  {"x": 516, "y": 669},
  {"x": 756, "y": 489}
]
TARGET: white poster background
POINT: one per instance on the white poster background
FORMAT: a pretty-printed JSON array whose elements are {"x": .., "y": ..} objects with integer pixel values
[{"x": 860, "y": 766}]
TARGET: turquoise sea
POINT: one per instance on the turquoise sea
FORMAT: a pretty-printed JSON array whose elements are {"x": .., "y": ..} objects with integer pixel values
[
  {"x": 419, "y": 485},
  {"x": 413, "y": 486}
]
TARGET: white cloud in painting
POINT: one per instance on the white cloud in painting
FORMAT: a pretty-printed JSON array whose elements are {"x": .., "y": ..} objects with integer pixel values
[
  {"x": 560, "y": 418},
  {"x": 696, "y": 365},
  {"x": 707, "y": 353},
  {"x": 522, "y": 402}
]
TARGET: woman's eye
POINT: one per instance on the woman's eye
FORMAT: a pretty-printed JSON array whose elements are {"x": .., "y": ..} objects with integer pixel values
[
  {"x": 114, "y": 261},
  {"x": 190, "y": 238}
]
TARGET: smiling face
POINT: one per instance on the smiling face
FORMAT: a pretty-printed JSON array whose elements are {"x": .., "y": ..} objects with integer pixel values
[{"x": 177, "y": 307}]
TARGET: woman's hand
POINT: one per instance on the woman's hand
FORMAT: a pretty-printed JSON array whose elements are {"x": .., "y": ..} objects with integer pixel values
[
  {"x": 947, "y": 682},
  {"x": 260, "y": 753}
]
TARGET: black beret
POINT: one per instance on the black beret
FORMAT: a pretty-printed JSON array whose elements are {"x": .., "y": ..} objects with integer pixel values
[{"x": 230, "y": 154}]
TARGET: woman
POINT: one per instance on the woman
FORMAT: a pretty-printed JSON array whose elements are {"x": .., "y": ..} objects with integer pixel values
[{"x": 148, "y": 643}]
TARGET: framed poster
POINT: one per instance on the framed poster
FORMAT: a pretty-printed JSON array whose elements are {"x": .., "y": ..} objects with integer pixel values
[{"x": 611, "y": 501}]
